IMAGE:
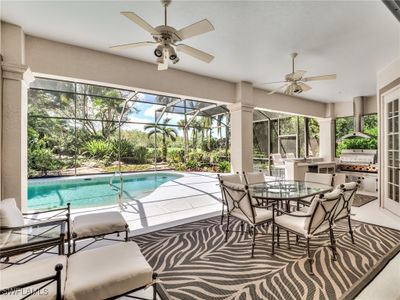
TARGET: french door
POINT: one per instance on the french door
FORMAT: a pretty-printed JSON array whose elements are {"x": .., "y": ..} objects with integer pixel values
[{"x": 391, "y": 149}]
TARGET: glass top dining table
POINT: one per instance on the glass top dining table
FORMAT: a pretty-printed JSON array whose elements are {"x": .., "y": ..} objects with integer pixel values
[{"x": 287, "y": 189}]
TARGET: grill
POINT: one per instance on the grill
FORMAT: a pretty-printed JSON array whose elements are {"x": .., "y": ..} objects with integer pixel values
[{"x": 358, "y": 160}]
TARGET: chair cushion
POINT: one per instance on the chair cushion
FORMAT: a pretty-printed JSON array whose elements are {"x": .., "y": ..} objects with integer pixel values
[
  {"x": 10, "y": 215},
  {"x": 98, "y": 224},
  {"x": 254, "y": 177},
  {"x": 261, "y": 215},
  {"x": 30, "y": 271},
  {"x": 295, "y": 224},
  {"x": 106, "y": 272}
]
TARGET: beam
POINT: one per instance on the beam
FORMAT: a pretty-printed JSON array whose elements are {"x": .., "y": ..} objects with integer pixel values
[{"x": 165, "y": 108}]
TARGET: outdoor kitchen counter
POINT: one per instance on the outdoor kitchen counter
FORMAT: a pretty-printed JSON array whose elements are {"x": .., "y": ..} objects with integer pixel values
[{"x": 295, "y": 170}]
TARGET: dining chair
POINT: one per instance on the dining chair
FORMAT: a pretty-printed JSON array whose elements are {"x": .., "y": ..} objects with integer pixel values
[
  {"x": 240, "y": 205},
  {"x": 343, "y": 209},
  {"x": 278, "y": 166},
  {"x": 308, "y": 225},
  {"x": 326, "y": 179},
  {"x": 232, "y": 178},
  {"x": 253, "y": 177}
]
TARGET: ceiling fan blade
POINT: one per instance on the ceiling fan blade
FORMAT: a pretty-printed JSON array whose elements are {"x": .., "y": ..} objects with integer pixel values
[
  {"x": 132, "y": 45},
  {"x": 196, "y": 53},
  {"x": 273, "y": 82},
  {"x": 322, "y": 77},
  {"x": 139, "y": 21},
  {"x": 297, "y": 75},
  {"x": 304, "y": 87},
  {"x": 277, "y": 89},
  {"x": 197, "y": 28}
]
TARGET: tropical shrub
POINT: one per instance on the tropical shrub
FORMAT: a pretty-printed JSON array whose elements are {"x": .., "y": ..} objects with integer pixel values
[
  {"x": 139, "y": 155},
  {"x": 180, "y": 166},
  {"x": 98, "y": 149},
  {"x": 193, "y": 165},
  {"x": 224, "y": 166},
  {"x": 175, "y": 155},
  {"x": 42, "y": 160}
]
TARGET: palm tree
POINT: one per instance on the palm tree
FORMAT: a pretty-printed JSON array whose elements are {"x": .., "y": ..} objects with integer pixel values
[
  {"x": 196, "y": 127},
  {"x": 165, "y": 132},
  {"x": 182, "y": 123}
]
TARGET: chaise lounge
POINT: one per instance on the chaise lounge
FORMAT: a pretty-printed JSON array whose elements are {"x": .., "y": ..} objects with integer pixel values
[{"x": 101, "y": 273}]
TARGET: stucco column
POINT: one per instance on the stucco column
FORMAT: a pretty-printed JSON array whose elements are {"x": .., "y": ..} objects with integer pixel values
[
  {"x": 241, "y": 137},
  {"x": 14, "y": 171},
  {"x": 327, "y": 139}
]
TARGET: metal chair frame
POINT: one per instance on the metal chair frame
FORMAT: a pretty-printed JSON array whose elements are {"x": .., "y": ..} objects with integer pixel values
[
  {"x": 45, "y": 280},
  {"x": 347, "y": 207},
  {"x": 251, "y": 221},
  {"x": 328, "y": 217}
]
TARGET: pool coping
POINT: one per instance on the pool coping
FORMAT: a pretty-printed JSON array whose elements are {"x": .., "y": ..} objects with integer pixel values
[{"x": 35, "y": 181}]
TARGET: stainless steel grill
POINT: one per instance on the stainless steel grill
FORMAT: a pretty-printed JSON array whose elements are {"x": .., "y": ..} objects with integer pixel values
[{"x": 358, "y": 160}]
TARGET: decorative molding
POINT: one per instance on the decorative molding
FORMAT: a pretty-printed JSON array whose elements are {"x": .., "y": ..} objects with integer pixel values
[{"x": 17, "y": 72}]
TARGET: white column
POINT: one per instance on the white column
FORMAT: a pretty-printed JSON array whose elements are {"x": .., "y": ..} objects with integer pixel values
[
  {"x": 327, "y": 139},
  {"x": 16, "y": 77},
  {"x": 241, "y": 137},
  {"x": 14, "y": 171}
]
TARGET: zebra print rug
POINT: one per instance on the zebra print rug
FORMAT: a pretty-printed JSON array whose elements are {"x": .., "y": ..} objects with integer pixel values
[{"x": 194, "y": 262}]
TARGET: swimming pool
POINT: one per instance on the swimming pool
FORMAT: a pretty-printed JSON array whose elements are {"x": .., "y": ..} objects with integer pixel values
[{"x": 92, "y": 191}]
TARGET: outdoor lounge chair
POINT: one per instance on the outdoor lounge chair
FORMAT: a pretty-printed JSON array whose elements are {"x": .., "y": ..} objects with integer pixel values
[
  {"x": 241, "y": 205},
  {"x": 318, "y": 220},
  {"x": 101, "y": 273},
  {"x": 97, "y": 225},
  {"x": 11, "y": 217}
]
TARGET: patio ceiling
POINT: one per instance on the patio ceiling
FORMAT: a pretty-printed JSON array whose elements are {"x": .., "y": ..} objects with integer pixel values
[{"x": 252, "y": 40}]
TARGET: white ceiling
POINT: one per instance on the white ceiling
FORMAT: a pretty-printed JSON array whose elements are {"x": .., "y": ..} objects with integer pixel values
[{"x": 251, "y": 42}]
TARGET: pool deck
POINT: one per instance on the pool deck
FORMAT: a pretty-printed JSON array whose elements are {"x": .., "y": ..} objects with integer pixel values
[{"x": 192, "y": 197}]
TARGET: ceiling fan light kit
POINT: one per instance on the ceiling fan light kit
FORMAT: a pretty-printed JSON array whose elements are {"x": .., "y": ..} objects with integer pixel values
[
  {"x": 295, "y": 82},
  {"x": 167, "y": 37}
]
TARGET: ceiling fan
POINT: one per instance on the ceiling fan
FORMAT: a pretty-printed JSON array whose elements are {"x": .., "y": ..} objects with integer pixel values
[
  {"x": 167, "y": 37},
  {"x": 295, "y": 82}
]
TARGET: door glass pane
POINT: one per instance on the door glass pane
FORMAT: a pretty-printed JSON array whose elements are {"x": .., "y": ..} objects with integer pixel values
[
  {"x": 390, "y": 189},
  {"x": 390, "y": 109},
  {"x": 396, "y": 107}
]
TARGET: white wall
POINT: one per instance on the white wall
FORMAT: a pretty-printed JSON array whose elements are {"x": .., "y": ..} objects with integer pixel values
[
  {"x": 345, "y": 109},
  {"x": 49, "y": 57}
]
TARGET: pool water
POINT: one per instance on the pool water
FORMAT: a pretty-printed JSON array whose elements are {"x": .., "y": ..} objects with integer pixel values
[{"x": 92, "y": 191}]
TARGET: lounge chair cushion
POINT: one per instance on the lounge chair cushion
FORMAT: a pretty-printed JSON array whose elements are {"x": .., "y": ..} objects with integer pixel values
[
  {"x": 30, "y": 271},
  {"x": 98, "y": 224},
  {"x": 107, "y": 271},
  {"x": 10, "y": 215}
]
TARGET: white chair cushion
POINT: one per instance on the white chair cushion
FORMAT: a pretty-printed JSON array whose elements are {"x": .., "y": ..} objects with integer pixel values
[
  {"x": 293, "y": 223},
  {"x": 10, "y": 215},
  {"x": 254, "y": 177},
  {"x": 107, "y": 271},
  {"x": 231, "y": 178},
  {"x": 98, "y": 224},
  {"x": 30, "y": 271},
  {"x": 261, "y": 215}
]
